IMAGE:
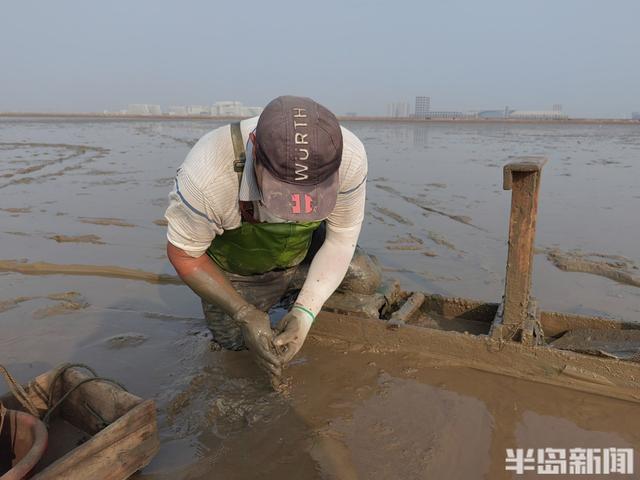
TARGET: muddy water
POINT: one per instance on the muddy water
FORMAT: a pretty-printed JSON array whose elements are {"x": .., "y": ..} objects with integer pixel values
[{"x": 83, "y": 197}]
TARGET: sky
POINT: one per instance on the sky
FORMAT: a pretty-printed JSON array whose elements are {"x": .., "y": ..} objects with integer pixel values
[{"x": 351, "y": 56}]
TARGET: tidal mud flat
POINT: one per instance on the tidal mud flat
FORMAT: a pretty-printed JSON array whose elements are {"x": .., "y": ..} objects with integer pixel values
[{"x": 84, "y": 277}]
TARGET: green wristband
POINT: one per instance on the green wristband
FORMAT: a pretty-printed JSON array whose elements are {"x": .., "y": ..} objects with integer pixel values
[{"x": 307, "y": 311}]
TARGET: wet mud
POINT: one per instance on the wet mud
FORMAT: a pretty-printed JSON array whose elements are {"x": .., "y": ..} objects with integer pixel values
[
  {"x": 93, "y": 239},
  {"x": 16, "y": 210},
  {"x": 126, "y": 340},
  {"x": 61, "y": 308},
  {"x": 436, "y": 220},
  {"x": 44, "y": 268},
  {"x": 41, "y": 160},
  {"x": 614, "y": 267},
  {"x": 118, "y": 222},
  {"x": 66, "y": 302},
  {"x": 457, "y": 218},
  {"x": 441, "y": 240},
  {"x": 393, "y": 215}
]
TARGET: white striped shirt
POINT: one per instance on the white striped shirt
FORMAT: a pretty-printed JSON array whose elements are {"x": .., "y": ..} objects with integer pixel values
[{"x": 205, "y": 199}]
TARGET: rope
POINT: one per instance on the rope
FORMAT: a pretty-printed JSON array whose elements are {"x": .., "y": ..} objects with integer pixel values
[
  {"x": 70, "y": 391},
  {"x": 21, "y": 395},
  {"x": 19, "y": 392},
  {"x": 63, "y": 368},
  {"x": 3, "y": 412}
]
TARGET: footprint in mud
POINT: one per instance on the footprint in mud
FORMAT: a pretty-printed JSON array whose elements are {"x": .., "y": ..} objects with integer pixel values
[
  {"x": 395, "y": 216},
  {"x": 409, "y": 242},
  {"x": 125, "y": 340},
  {"x": 67, "y": 302},
  {"x": 441, "y": 240},
  {"x": 13, "y": 302}
]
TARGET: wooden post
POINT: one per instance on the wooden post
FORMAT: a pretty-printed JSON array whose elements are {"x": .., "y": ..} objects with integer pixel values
[{"x": 522, "y": 176}]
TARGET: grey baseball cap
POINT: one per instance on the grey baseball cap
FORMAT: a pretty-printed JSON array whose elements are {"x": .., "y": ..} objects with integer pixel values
[{"x": 298, "y": 154}]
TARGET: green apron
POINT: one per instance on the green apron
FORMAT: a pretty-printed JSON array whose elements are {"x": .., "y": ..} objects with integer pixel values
[{"x": 257, "y": 248}]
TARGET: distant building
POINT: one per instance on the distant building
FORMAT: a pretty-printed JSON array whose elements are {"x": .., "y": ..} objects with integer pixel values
[
  {"x": 227, "y": 109},
  {"x": 143, "y": 109},
  {"x": 178, "y": 111},
  {"x": 502, "y": 113},
  {"x": 198, "y": 110},
  {"x": 250, "y": 111},
  {"x": 398, "y": 110},
  {"x": 234, "y": 108},
  {"x": 450, "y": 115},
  {"x": 538, "y": 115},
  {"x": 423, "y": 107},
  {"x": 556, "y": 107},
  {"x": 635, "y": 115}
]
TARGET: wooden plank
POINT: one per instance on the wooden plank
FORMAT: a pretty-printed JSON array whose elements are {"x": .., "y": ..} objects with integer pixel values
[
  {"x": 557, "y": 323},
  {"x": 114, "y": 453},
  {"x": 522, "y": 230},
  {"x": 109, "y": 401},
  {"x": 553, "y": 323},
  {"x": 604, "y": 376}
]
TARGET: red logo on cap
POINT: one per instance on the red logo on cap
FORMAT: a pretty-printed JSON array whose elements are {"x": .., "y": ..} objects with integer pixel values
[{"x": 297, "y": 205}]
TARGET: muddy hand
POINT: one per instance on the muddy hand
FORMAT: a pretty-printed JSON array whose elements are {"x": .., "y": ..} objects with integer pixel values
[
  {"x": 293, "y": 329},
  {"x": 258, "y": 338}
]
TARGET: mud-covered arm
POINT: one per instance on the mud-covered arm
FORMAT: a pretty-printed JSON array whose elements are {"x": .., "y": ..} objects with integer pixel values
[
  {"x": 206, "y": 279},
  {"x": 210, "y": 283},
  {"x": 193, "y": 224}
]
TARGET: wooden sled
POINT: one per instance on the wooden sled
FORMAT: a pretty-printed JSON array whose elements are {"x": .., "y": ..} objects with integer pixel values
[
  {"x": 513, "y": 337},
  {"x": 97, "y": 430}
]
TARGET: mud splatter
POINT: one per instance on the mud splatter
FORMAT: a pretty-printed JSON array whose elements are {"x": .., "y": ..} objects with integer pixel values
[
  {"x": 13, "y": 302},
  {"x": 68, "y": 302},
  {"x": 161, "y": 222},
  {"x": 45, "y": 268},
  {"x": 409, "y": 242},
  {"x": 441, "y": 240},
  {"x": 614, "y": 267},
  {"x": 391, "y": 214},
  {"x": 457, "y": 218},
  {"x": 76, "y": 151},
  {"x": 125, "y": 340},
  {"x": 94, "y": 239},
  {"x": 117, "y": 222},
  {"x": 16, "y": 210}
]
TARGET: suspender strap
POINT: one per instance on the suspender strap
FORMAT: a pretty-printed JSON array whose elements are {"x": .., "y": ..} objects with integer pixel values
[
  {"x": 247, "y": 212},
  {"x": 240, "y": 155}
]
